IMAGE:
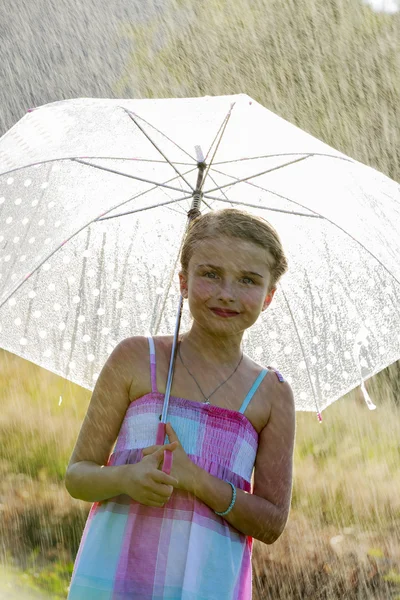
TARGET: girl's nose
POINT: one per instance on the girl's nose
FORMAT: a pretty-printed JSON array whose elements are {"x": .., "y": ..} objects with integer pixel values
[{"x": 226, "y": 292}]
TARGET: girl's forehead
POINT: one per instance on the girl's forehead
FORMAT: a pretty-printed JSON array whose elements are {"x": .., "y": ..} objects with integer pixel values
[{"x": 224, "y": 251}]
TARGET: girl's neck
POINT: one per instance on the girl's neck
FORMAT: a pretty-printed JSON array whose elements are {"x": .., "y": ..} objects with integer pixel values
[{"x": 213, "y": 350}]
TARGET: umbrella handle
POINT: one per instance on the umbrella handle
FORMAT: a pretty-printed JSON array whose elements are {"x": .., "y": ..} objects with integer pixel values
[{"x": 167, "y": 463}]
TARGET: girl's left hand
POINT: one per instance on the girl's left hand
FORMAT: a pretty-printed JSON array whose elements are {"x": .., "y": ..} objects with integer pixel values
[{"x": 182, "y": 467}]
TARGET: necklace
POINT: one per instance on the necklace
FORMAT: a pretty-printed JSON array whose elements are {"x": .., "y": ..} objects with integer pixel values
[{"x": 207, "y": 400}]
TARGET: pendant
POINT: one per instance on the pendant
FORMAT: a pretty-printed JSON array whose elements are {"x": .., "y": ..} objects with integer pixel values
[{"x": 206, "y": 402}]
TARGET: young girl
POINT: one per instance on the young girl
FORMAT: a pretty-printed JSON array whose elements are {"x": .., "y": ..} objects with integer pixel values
[{"x": 188, "y": 535}]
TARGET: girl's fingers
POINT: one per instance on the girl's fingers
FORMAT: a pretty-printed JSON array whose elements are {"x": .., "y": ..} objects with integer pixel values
[
  {"x": 161, "y": 477},
  {"x": 151, "y": 449}
]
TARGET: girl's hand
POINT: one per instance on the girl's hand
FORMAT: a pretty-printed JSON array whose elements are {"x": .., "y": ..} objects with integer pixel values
[
  {"x": 182, "y": 467},
  {"x": 145, "y": 482}
]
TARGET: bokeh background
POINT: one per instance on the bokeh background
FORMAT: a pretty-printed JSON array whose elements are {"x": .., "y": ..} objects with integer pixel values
[{"x": 331, "y": 68}]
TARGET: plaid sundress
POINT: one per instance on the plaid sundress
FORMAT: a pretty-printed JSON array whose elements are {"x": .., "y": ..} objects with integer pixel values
[{"x": 182, "y": 550}]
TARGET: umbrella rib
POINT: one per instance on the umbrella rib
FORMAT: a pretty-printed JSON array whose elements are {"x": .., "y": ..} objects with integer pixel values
[
  {"x": 169, "y": 187},
  {"x": 301, "y": 346},
  {"x": 151, "y": 190},
  {"x": 157, "y": 148},
  {"x": 161, "y": 133},
  {"x": 219, "y": 134},
  {"x": 227, "y": 162},
  {"x": 136, "y": 210},
  {"x": 75, "y": 158},
  {"x": 280, "y": 210},
  {"x": 292, "y": 162}
]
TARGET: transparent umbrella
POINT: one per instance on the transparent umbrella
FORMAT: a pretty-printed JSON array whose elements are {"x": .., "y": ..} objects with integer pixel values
[{"x": 95, "y": 199}]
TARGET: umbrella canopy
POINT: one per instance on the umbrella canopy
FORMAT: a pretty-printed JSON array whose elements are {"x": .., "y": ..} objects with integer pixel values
[{"x": 94, "y": 196}]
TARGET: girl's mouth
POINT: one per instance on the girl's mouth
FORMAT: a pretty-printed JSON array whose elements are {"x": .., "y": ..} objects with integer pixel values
[{"x": 224, "y": 313}]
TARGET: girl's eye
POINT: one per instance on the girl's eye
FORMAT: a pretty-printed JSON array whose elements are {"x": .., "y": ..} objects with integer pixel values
[{"x": 213, "y": 275}]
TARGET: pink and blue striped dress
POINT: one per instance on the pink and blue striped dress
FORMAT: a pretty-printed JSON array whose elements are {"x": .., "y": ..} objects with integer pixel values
[{"x": 182, "y": 550}]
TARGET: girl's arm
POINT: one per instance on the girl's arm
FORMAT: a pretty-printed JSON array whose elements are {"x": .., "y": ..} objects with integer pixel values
[
  {"x": 263, "y": 514},
  {"x": 85, "y": 478}
]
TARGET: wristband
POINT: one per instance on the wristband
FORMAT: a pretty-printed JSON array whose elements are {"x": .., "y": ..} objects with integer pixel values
[{"x": 221, "y": 514}]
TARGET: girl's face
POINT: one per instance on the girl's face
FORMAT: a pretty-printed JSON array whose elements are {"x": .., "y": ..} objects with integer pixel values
[{"x": 229, "y": 274}]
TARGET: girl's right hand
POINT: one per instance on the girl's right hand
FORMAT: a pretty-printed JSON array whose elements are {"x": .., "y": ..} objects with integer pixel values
[{"x": 146, "y": 483}]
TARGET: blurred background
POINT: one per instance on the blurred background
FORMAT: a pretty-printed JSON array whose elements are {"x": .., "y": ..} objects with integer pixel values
[{"x": 333, "y": 69}]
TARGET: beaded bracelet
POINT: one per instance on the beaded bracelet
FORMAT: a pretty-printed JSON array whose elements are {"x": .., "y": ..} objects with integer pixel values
[{"x": 221, "y": 514}]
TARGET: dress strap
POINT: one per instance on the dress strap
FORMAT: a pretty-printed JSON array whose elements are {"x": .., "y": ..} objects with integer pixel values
[
  {"x": 253, "y": 390},
  {"x": 153, "y": 366}
]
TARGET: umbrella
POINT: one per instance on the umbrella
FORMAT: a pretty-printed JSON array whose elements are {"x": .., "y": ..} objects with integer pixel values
[{"x": 95, "y": 199}]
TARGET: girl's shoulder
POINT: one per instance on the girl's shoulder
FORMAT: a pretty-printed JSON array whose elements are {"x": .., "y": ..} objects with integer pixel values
[{"x": 273, "y": 370}]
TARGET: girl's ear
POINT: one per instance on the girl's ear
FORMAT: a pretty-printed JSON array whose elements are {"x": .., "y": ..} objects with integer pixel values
[
  {"x": 268, "y": 298},
  {"x": 183, "y": 284}
]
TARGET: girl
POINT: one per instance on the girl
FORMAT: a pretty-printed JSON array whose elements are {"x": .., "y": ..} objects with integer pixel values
[{"x": 188, "y": 535}]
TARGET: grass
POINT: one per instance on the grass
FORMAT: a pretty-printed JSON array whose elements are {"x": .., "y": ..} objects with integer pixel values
[{"x": 342, "y": 535}]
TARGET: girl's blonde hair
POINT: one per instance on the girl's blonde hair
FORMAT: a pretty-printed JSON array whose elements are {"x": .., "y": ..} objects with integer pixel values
[{"x": 236, "y": 224}]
